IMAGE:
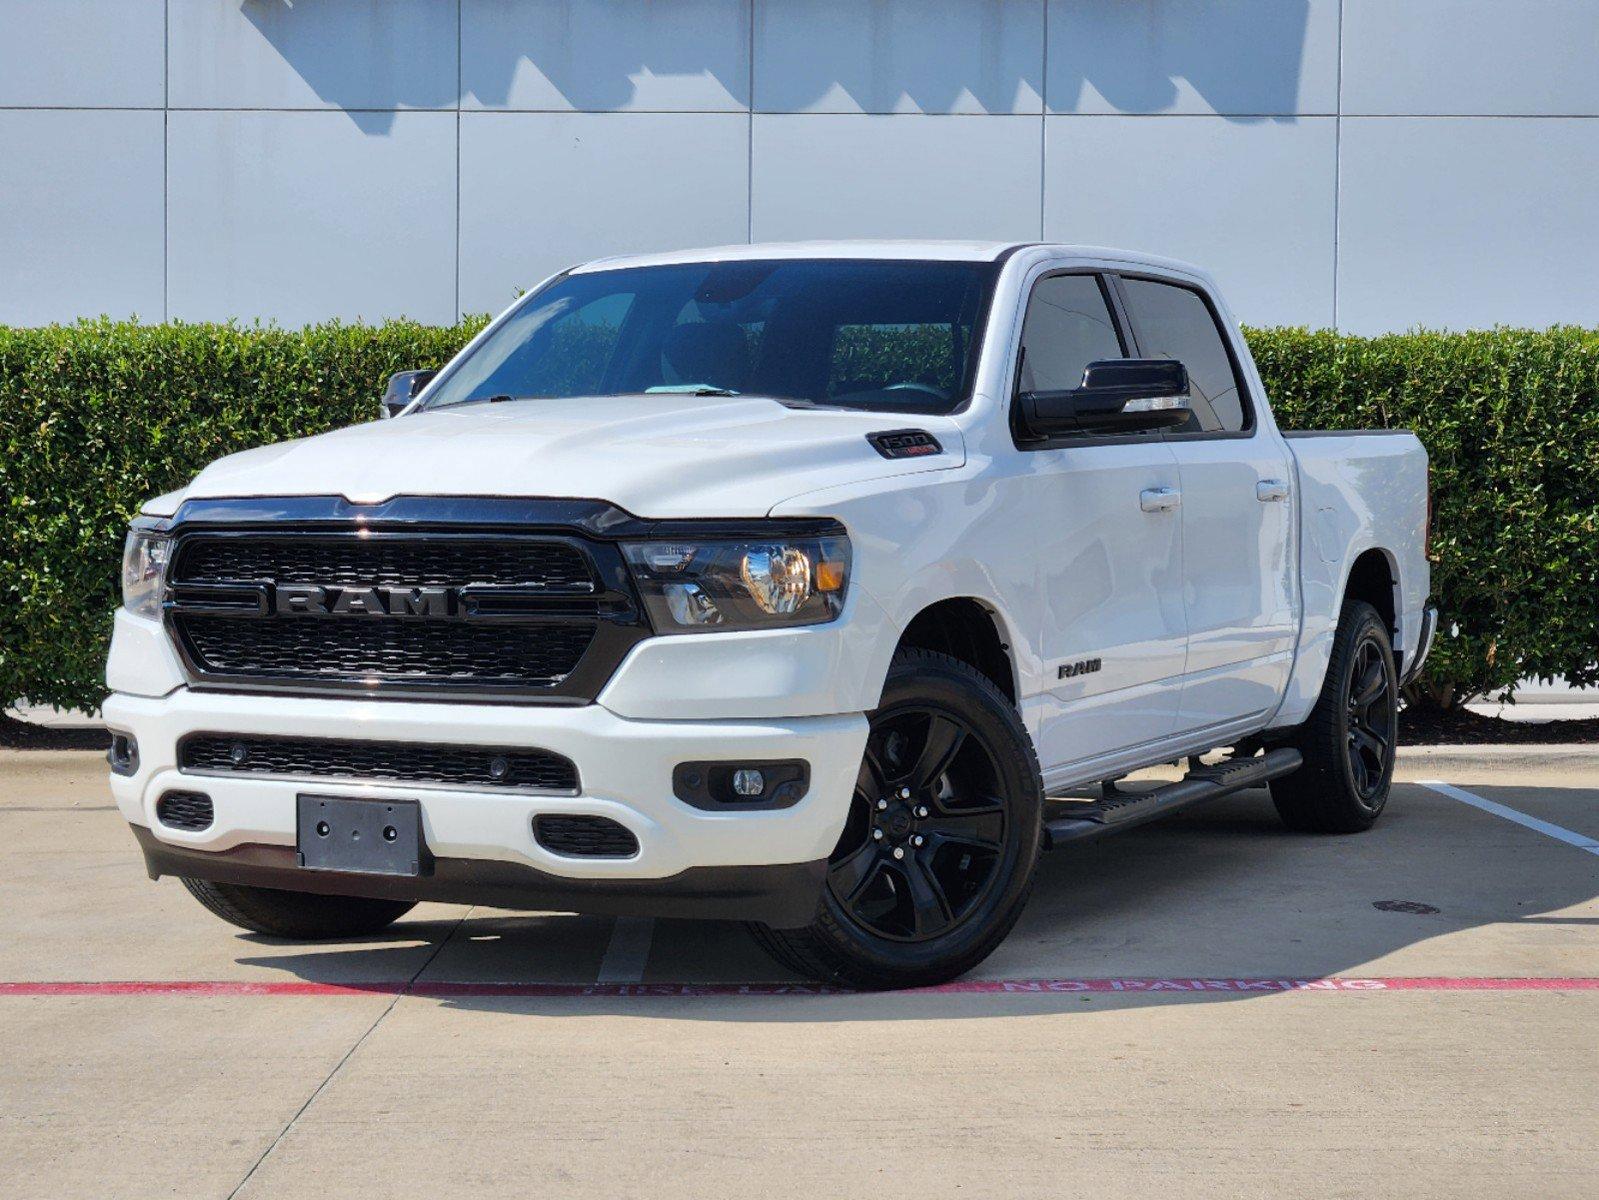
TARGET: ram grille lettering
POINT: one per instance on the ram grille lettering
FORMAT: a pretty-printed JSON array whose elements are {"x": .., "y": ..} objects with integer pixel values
[{"x": 298, "y": 600}]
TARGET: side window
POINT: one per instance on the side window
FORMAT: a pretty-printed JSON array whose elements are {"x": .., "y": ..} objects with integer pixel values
[
  {"x": 1068, "y": 325},
  {"x": 1175, "y": 322}
]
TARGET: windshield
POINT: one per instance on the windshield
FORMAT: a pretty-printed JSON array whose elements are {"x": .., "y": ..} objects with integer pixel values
[{"x": 852, "y": 333}]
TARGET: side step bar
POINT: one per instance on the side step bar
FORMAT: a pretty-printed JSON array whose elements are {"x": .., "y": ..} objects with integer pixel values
[{"x": 1082, "y": 820}]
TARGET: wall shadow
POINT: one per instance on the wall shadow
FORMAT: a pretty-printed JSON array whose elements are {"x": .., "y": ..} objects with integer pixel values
[
  {"x": 349, "y": 54},
  {"x": 1244, "y": 59}
]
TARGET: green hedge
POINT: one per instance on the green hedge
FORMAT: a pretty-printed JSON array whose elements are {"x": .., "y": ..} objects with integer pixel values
[
  {"x": 97, "y": 417},
  {"x": 1510, "y": 419}
]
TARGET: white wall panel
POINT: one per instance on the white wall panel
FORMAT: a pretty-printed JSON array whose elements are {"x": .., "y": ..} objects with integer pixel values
[
  {"x": 100, "y": 53},
  {"x": 302, "y": 216},
  {"x": 371, "y": 54},
  {"x": 897, "y": 56},
  {"x": 686, "y": 55},
  {"x": 1532, "y": 58},
  {"x": 544, "y": 191},
  {"x": 1455, "y": 223},
  {"x": 1252, "y": 203},
  {"x": 80, "y": 215},
  {"x": 894, "y": 176},
  {"x": 1248, "y": 57}
]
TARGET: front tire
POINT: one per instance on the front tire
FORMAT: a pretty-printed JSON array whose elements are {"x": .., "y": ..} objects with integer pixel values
[
  {"x": 298, "y": 916},
  {"x": 937, "y": 855},
  {"x": 1351, "y": 739}
]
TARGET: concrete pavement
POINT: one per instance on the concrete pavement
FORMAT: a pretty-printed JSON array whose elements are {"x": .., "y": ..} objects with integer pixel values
[{"x": 1408, "y": 1081}]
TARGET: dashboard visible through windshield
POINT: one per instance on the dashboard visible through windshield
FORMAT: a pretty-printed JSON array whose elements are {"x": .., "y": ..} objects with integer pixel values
[{"x": 876, "y": 334}]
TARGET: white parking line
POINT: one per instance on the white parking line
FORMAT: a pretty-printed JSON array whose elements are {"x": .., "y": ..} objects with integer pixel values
[
  {"x": 628, "y": 951},
  {"x": 1558, "y": 832}
]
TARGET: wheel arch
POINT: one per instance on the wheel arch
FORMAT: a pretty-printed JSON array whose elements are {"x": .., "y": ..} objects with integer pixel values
[
  {"x": 971, "y": 630},
  {"x": 1374, "y": 577}
]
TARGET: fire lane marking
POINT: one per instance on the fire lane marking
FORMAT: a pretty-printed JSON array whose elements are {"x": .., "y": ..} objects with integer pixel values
[
  {"x": 1559, "y": 832},
  {"x": 447, "y": 989}
]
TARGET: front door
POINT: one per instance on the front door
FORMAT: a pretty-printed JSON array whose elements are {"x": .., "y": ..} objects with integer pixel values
[
  {"x": 1239, "y": 578},
  {"x": 1108, "y": 531}
]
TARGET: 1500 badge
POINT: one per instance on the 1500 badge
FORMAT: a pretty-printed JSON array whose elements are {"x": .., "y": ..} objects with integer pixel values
[{"x": 1085, "y": 666}]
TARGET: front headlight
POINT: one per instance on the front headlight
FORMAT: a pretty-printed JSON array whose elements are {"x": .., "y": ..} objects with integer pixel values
[
  {"x": 144, "y": 571},
  {"x": 703, "y": 586}
]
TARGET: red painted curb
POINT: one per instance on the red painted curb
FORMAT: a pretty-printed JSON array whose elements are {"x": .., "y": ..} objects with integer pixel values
[{"x": 445, "y": 989}]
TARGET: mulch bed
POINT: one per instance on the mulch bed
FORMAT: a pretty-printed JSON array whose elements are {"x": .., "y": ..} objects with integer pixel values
[
  {"x": 24, "y": 735},
  {"x": 1430, "y": 727}
]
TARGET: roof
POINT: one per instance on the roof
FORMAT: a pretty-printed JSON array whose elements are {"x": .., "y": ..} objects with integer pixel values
[
  {"x": 946, "y": 251},
  {"x": 905, "y": 249}
]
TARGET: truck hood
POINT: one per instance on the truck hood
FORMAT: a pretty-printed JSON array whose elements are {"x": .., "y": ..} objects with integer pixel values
[{"x": 655, "y": 456}]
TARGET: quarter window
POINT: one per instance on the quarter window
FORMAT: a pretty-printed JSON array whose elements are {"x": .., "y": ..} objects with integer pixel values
[{"x": 1175, "y": 322}]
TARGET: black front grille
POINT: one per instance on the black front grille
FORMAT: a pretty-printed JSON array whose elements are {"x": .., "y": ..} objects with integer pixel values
[
  {"x": 506, "y": 613},
  {"x": 377, "y": 562},
  {"x": 185, "y": 810},
  {"x": 584, "y": 837},
  {"x": 460, "y": 652},
  {"x": 331, "y": 758}
]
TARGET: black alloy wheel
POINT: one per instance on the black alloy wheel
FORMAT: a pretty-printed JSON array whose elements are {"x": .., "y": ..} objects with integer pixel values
[
  {"x": 926, "y": 828},
  {"x": 1350, "y": 739},
  {"x": 936, "y": 857},
  {"x": 1372, "y": 710}
]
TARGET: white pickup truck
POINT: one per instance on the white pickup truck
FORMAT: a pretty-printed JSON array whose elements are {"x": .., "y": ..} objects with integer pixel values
[{"x": 804, "y": 585}]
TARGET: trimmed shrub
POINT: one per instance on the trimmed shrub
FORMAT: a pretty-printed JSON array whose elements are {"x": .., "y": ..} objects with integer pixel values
[
  {"x": 97, "y": 417},
  {"x": 1510, "y": 419}
]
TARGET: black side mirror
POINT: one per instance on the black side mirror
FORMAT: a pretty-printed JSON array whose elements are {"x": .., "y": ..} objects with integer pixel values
[
  {"x": 1122, "y": 395},
  {"x": 403, "y": 388}
]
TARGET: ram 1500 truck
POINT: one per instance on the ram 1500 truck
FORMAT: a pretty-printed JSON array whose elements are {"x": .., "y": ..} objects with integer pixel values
[{"x": 811, "y": 586}]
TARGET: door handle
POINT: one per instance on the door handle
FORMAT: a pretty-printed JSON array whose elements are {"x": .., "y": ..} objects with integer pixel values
[
  {"x": 1160, "y": 499},
  {"x": 1268, "y": 490}
]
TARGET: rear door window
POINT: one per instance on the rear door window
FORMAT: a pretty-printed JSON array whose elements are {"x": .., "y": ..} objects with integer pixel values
[{"x": 1172, "y": 321}]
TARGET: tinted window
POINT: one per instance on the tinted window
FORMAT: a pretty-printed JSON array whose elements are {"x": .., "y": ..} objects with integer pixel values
[
  {"x": 871, "y": 334},
  {"x": 1175, "y": 322},
  {"x": 1068, "y": 326}
]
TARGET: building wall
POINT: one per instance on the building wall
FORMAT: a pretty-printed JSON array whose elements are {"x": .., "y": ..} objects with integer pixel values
[{"x": 1364, "y": 163}]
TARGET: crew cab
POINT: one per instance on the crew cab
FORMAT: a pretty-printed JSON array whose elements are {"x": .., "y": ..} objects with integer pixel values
[{"x": 816, "y": 586}]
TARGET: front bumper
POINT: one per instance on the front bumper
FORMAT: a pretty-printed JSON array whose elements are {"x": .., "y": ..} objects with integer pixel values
[{"x": 482, "y": 839}]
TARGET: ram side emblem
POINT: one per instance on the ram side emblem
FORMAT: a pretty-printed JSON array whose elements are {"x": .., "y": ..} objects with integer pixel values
[{"x": 1085, "y": 666}]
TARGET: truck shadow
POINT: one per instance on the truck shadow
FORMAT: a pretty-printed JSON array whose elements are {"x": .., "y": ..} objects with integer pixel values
[{"x": 1193, "y": 904}]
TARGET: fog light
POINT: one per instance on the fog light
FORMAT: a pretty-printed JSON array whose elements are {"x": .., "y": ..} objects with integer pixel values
[
  {"x": 123, "y": 755},
  {"x": 748, "y": 782}
]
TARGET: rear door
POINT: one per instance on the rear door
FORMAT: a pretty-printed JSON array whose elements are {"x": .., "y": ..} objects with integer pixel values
[
  {"x": 1239, "y": 580},
  {"x": 1109, "y": 545}
]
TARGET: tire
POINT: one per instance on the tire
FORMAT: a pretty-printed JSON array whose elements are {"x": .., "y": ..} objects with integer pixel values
[
  {"x": 948, "y": 754},
  {"x": 1349, "y": 741},
  {"x": 298, "y": 916}
]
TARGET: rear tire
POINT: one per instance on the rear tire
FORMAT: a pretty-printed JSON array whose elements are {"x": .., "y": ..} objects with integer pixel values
[
  {"x": 951, "y": 783},
  {"x": 1350, "y": 739},
  {"x": 299, "y": 916}
]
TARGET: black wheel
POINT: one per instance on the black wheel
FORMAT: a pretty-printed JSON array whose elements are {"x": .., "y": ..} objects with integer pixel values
[
  {"x": 1352, "y": 736},
  {"x": 300, "y": 916},
  {"x": 937, "y": 855}
]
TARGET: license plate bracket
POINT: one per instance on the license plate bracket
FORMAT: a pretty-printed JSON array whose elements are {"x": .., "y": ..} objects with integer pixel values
[{"x": 361, "y": 836}]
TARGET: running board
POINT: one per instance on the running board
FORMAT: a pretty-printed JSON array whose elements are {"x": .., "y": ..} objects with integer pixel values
[{"x": 1124, "y": 810}]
